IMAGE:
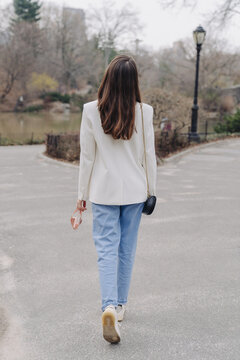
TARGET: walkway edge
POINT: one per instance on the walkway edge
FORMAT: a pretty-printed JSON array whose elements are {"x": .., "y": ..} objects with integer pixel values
[
  {"x": 41, "y": 155},
  {"x": 163, "y": 161},
  {"x": 193, "y": 149}
]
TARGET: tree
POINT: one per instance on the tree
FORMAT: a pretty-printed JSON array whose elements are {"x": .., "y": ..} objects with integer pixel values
[
  {"x": 177, "y": 66},
  {"x": 19, "y": 51},
  {"x": 68, "y": 54},
  {"x": 15, "y": 62},
  {"x": 70, "y": 37},
  {"x": 112, "y": 26},
  {"x": 223, "y": 12},
  {"x": 27, "y": 10},
  {"x": 26, "y": 21}
]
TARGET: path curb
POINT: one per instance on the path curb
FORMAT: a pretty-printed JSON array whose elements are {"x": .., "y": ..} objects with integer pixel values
[
  {"x": 41, "y": 155},
  {"x": 193, "y": 149},
  {"x": 162, "y": 161}
]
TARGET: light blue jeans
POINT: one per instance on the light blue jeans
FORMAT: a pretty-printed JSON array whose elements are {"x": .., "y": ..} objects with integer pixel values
[{"x": 115, "y": 233}]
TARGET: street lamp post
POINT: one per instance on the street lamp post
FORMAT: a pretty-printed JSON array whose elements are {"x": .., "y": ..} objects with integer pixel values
[{"x": 199, "y": 37}]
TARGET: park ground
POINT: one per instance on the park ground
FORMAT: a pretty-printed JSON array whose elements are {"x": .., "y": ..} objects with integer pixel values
[{"x": 184, "y": 300}]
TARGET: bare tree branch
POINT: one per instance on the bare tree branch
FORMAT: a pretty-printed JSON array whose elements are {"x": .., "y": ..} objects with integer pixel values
[
  {"x": 111, "y": 25},
  {"x": 223, "y": 12}
]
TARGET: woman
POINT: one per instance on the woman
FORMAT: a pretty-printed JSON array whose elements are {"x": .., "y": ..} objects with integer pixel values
[{"x": 112, "y": 177}]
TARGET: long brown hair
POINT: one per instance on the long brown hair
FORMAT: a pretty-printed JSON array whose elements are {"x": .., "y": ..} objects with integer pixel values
[{"x": 117, "y": 97}]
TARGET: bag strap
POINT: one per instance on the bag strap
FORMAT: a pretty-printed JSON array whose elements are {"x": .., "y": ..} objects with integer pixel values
[{"x": 144, "y": 149}]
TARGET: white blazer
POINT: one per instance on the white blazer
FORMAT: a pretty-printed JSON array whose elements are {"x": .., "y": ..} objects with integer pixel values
[{"x": 112, "y": 172}]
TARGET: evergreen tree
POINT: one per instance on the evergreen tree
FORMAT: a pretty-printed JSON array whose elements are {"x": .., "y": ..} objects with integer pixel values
[{"x": 27, "y": 10}]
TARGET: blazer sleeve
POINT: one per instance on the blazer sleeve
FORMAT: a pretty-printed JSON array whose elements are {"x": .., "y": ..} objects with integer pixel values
[
  {"x": 87, "y": 156},
  {"x": 150, "y": 154}
]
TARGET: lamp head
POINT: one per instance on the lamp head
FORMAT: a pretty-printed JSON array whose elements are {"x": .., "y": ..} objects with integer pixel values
[{"x": 199, "y": 35}]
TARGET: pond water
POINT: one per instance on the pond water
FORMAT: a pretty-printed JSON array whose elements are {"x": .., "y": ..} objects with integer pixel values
[{"x": 20, "y": 127}]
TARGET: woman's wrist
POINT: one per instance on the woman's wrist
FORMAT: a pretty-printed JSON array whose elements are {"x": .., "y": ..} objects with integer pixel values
[{"x": 81, "y": 204}]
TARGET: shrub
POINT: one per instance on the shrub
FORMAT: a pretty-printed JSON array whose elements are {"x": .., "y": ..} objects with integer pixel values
[
  {"x": 79, "y": 100},
  {"x": 56, "y": 96},
  {"x": 230, "y": 124},
  {"x": 33, "y": 108},
  {"x": 167, "y": 142},
  {"x": 42, "y": 82},
  {"x": 63, "y": 146},
  {"x": 171, "y": 105}
]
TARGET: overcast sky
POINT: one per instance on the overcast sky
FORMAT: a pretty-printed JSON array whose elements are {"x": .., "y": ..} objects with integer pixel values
[{"x": 163, "y": 27}]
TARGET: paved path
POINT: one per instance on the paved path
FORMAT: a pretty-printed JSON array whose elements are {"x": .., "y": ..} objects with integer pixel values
[{"x": 184, "y": 301}]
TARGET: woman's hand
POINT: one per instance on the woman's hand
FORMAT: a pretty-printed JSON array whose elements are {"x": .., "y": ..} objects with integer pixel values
[{"x": 81, "y": 205}]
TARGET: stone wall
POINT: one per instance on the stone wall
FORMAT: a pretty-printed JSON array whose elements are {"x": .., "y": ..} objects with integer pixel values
[{"x": 233, "y": 91}]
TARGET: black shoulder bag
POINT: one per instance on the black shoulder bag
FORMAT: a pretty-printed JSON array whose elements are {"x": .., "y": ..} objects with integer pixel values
[{"x": 150, "y": 203}]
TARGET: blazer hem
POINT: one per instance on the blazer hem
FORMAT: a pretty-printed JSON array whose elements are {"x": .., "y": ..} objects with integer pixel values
[{"x": 116, "y": 203}]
